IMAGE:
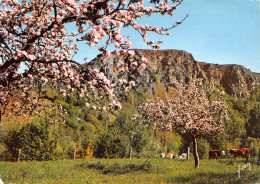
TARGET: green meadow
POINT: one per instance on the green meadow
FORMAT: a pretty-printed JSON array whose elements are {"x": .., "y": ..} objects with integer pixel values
[{"x": 123, "y": 171}]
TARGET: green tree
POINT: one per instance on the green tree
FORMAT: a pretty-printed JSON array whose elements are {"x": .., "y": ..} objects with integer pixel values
[
  {"x": 10, "y": 142},
  {"x": 252, "y": 126},
  {"x": 135, "y": 130}
]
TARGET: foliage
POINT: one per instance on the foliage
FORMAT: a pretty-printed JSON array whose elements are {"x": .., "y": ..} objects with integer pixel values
[
  {"x": 170, "y": 141},
  {"x": 156, "y": 77},
  {"x": 110, "y": 146},
  {"x": 253, "y": 144},
  {"x": 9, "y": 142},
  {"x": 152, "y": 149},
  {"x": 137, "y": 97},
  {"x": 89, "y": 150},
  {"x": 134, "y": 130},
  {"x": 252, "y": 125},
  {"x": 40, "y": 139},
  {"x": 30, "y": 141},
  {"x": 244, "y": 118}
]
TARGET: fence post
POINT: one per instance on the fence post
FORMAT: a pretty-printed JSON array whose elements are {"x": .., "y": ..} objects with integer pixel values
[
  {"x": 188, "y": 153},
  {"x": 238, "y": 171},
  {"x": 75, "y": 152},
  {"x": 19, "y": 154}
]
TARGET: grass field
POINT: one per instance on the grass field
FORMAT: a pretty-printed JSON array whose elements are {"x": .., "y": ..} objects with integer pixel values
[{"x": 124, "y": 171}]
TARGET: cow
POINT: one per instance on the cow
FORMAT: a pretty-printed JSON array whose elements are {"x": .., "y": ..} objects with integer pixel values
[
  {"x": 183, "y": 156},
  {"x": 243, "y": 152},
  {"x": 237, "y": 152},
  {"x": 170, "y": 156},
  {"x": 247, "y": 152},
  {"x": 216, "y": 154},
  {"x": 167, "y": 155},
  {"x": 162, "y": 155}
]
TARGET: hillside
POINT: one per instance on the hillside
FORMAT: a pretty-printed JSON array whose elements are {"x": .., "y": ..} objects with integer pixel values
[
  {"x": 84, "y": 132},
  {"x": 236, "y": 80}
]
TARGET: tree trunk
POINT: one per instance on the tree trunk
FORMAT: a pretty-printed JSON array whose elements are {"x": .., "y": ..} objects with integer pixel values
[
  {"x": 131, "y": 138},
  {"x": 258, "y": 162},
  {"x": 195, "y": 151},
  {"x": 130, "y": 152},
  {"x": 154, "y": 132},
  {"x": 164, "y": 138},
  {"x": 0, "y": 115}
]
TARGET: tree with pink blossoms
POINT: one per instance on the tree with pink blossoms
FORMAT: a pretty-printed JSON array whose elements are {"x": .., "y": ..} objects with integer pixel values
[
  {"x": 37, "y": 48},
  {"x": 187, "y": 107}
]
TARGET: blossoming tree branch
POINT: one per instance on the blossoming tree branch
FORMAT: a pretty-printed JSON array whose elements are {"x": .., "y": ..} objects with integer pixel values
[
  {"x": 36, "y": 46},
  {"x": 188, "y": 108}
]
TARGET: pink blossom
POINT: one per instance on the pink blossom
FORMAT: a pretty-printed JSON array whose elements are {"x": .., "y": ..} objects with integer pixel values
[
  {"x": 40, "y": 40},
  {"x": 128, "y": 44},
  {"x": 131, "y": 52}
]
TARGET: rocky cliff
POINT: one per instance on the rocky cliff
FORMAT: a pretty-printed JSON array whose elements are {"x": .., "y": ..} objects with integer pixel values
[{"x": 236, "y": 80}]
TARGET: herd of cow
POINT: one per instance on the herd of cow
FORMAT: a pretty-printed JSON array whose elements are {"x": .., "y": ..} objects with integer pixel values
[
  {"x": 213, "y": 154},
  {"x": 217, "y": 154},
  {"x": 172, "y": 156}
]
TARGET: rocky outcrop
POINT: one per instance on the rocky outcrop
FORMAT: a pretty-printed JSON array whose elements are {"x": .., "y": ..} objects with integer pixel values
[{"x": 236, "y": 80}]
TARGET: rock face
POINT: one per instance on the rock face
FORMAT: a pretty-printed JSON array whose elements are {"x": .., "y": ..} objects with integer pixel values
[{"x": 236, "y": 80}]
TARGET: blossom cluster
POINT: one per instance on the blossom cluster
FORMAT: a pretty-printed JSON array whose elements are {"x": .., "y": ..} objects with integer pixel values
[
  {"x": 189, "y": 108},
  {"x": 34, "y": 34}
]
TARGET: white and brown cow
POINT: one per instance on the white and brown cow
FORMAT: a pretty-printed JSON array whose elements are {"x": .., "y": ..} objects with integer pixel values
[
  {"x": 216, "y": 154},
  {"x": 183, "y": 156},
  {"x": 243, "y": 152},
  {"x": 167, "y": 155}
]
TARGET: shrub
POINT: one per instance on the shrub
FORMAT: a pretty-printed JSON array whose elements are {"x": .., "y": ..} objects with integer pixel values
[{"x": 110, "y": 146}]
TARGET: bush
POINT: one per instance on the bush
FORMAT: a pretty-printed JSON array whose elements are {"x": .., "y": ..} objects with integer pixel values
[
  {"x": 28, "y": 143},
  {"x": 110, "y": 146},
  {"x": 11, "y": 143}
]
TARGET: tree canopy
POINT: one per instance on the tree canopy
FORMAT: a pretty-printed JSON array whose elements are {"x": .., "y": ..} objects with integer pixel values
[
  {"x": 37, "y": 48},
  {"x": 188, "y": 108}
]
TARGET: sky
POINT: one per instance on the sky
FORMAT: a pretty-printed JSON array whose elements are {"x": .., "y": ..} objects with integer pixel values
[{"x": 217, "y": 31}]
